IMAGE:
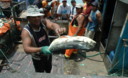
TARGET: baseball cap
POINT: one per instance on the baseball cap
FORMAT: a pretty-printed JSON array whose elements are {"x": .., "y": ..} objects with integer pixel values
[{"x": 79, "y": 6}]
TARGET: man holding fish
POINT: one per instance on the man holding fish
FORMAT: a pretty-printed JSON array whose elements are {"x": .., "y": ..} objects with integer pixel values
[{"x": 35, "y": 39}]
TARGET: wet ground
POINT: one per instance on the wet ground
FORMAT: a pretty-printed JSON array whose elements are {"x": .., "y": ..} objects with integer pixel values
[
  {"x": 81, "y": 66},
  {"x": 78, "y": 65}
]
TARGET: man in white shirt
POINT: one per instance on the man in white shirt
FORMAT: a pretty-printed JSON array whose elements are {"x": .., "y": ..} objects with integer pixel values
[{"x": 64, "y": 10}]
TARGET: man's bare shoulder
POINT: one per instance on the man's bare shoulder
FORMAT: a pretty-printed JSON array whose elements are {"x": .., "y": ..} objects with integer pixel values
[
  {"x": 81, "y": 17},
  {"x": 24, "y": 33}
]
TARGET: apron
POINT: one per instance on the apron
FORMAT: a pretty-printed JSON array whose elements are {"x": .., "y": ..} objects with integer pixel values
[{"x": 71, "y": 32}]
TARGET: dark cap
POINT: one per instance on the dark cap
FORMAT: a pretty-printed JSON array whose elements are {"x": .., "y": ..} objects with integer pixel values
[
  {"x": 73, "y": 1},
  {"x": 49, "y": 0}
]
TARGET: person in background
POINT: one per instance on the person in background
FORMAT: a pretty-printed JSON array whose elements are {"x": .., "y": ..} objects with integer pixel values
[
  {"x": 54, "y": 6},
  {"x": 64, "y": 10},
  {"x": 76, "y": 28},
  {"x": 5, "y": 6},
  {"x": 86, "y": 10},
  {"x": 47, "y": 12},
  {"x": 94, "y": 21},
  {"x": 35, "y": 39},
  {"x": 73, "y": 9},
  {"x": 45, "y": 3},
  {"x": 38, "y": 3},
  {"x": 85, "y": 5}
]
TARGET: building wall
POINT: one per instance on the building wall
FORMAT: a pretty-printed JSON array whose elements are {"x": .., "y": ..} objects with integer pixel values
[{"x": 119, "y": 16}]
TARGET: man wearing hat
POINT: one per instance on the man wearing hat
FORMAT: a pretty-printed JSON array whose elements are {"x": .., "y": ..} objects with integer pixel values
[
  {"x": 94, "y": 21},
  {"x": 64, "y": 10},
  {"x": 76, "y": 27},
  {"x": 35, "y": 39}
]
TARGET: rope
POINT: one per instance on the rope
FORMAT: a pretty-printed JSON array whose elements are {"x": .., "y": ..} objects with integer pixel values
[
  {"x": 90, "y": 55},
  {"x": 4, "y": 56},
  {"x": 95, "y": 54},
  {"x": 9, "y": 67},
  {"x": 123, "y": 62},
  {"x": 115, "y": 74}
]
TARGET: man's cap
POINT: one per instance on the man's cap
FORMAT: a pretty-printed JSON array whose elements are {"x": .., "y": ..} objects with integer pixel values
[
  {"x": 79, "y": 6},
  {"x": 73, "y": 1},
  {"x": 33, "y": 10},
  {"x": 94, "y": 4},
  {"x": 64, "y": 0},
  {"x": 49, "y": 0}
]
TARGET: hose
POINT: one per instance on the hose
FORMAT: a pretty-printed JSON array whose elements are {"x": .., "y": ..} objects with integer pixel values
[{"x": 90, "y": 55}]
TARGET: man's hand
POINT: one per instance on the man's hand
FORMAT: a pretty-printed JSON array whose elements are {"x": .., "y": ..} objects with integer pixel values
[
  {"x": 90, "y": 20},
  {"x": 99, "y": 28},
  {"x": 45, "y": 50},
  {"x": 60, "y": 31}
]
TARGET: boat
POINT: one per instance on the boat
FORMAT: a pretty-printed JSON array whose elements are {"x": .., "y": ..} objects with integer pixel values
[{"x": 107, "y": 60}]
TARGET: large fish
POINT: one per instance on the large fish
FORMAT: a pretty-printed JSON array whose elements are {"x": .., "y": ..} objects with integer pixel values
[{"x": 72, "y": 42}]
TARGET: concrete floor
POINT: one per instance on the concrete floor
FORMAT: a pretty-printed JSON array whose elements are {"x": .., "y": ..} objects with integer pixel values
[
  {"x": 88, "y": 66},
  {"x": 92, "y": 66}
]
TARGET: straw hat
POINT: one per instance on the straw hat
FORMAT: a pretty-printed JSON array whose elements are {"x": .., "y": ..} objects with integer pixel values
[{"x": 33, "y": 10}]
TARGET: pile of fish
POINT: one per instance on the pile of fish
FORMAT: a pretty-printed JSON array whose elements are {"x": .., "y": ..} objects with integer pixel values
[{"x": 72, "y": 42}]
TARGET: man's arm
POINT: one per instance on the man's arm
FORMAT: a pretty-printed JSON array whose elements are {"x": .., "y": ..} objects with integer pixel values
[
  {"x": 55, "y": 27},
  {"x": 27, "y": 43},
  {"x": 89, "y": 19},
  {"x": 99, "y": 17},
  {"x": 80, "y": 20}
]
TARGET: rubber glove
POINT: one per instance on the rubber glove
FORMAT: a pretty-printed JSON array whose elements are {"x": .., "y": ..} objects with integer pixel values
[{"x": 45, "y": 50}]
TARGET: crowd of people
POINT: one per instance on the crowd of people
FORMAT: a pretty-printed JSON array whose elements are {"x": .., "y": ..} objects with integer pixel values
[{"x": 84, "y": 21}]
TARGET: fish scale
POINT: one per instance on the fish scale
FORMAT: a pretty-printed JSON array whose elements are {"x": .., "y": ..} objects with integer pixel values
[{"x": 72, "y": 42}]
